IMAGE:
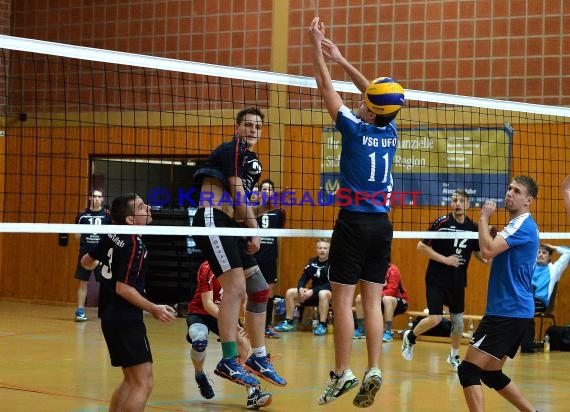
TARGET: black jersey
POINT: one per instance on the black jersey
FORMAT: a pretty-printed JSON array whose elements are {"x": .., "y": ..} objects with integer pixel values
[
  {"x": 274, "y": 219},
  {"x": 439, "y": 274},
  {"x": 232, "y": 159},
  {"x": 318, "y": 273},
  {"x": 124, "y": 259},
  {"x": 89, "y": 217}
]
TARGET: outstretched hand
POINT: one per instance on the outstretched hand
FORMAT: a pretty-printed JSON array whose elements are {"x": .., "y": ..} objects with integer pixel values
[
  {"x": 330, "y": 50},
  {"x": 317, "y": 31}
]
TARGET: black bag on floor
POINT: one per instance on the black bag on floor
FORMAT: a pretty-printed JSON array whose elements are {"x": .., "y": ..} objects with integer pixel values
[{"x": 559, "y": 337}]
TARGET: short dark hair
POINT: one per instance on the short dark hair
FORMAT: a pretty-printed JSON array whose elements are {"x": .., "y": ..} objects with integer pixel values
[
  {"x": 547, "y": 248},
  {"x": 269, "y": 182},
  {"x": 529, "y": 183},
  {"x": 383, "y": 120},
  {"x": 123, "y": 207},
  {"x": 248, "y": 110},
  {"x": 96, "y": 189}
]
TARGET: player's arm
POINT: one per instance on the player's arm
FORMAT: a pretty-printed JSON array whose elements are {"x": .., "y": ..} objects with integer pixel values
[
  {"x": 163, "y": 313},
  {"x": 489, "y": 246},
  {"x": 560, "y": 265},
  {"x": 88, "y": 262},
  {"x": 331, "y": 51},
  {"x": 480, "y": 257},
  {"x": 93, "y": 258},
  {"x": 331, "y": 98},
  {"x": 304, "y": 278},
  {"x": 428, "y": 251},
  {"x": 392, "y": 283},
  {"x": 208, "y": 303}
]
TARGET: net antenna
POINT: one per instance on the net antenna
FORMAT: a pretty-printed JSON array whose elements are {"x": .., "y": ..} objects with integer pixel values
[{"x": 68, "y": 110}]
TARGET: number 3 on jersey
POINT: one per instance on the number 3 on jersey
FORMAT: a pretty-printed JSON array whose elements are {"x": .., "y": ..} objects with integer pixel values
[{"x": 106, "y": 269}]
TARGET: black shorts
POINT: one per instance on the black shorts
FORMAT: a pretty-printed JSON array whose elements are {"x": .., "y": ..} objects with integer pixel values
[
  {"x": 401, "y": 306},
  {"x": 437, "y": 297},
  {"x": 313, "y": 300},
  {"x": 222, "y": 252},
  {"x": 83, "y": 274},
  {"x": 499, "y": 336},
  {"x": 208, "y": 320},
  {"x": 361, "y": 244},
  {"x": 269, "y": 270},
  {"x": 127, "y": 342}
]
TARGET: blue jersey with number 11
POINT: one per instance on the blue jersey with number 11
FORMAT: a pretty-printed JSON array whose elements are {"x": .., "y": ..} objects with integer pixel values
[{"x": 365, "y": 163}]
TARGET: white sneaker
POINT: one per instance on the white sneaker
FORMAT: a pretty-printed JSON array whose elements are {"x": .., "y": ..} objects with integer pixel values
[
  {"x": 453, "y": 362},
  {"x": 407, "y": 347},
  {"x": 337, "y": 386},
  {"x": 371, "y": 383}
]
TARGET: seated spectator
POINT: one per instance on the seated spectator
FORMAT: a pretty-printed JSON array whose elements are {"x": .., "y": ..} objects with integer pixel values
[
  {"x": 546, "y": 275},
  {"x": 394, "y": 302},
  {"x": 318, "y": 295}
]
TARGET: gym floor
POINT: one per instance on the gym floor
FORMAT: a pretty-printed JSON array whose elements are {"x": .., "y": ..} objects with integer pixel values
[{"x": 48, "y": 363}]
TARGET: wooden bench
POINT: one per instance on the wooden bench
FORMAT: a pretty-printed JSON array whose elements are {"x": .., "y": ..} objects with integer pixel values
[{"x": 465, "y": 317}]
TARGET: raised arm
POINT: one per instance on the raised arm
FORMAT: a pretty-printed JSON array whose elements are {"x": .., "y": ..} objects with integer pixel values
[
  {"x": 331, "y": 98},
  {"x": 489, "y": 246},
  {"x": 331, "y": 51}
]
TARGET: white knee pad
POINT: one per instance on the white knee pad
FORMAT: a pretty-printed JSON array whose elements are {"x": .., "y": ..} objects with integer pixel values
[{"x": 198, "y": 333}]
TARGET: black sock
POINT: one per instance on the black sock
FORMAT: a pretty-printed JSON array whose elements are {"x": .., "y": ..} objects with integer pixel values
[
  {"x": 269, "y": 313},
  {"x": 412, "y": 337}
]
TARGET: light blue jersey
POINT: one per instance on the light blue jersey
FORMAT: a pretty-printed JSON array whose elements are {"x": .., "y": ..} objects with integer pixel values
[
  {"x": 365, "y": 163},
  {"x": 546, "y": 276},
  {"x": 510, "y": 281}
]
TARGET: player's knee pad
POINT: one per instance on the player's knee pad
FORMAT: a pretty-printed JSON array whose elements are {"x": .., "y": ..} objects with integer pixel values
[
  {"x": 457, "y": 324},
  {"x": 469, "y": 374},
  {"x": 197, "y": 356},
  {"x": 198, "y": 334},
  {"x": 495, "y": 379},
  {"x": 257, "y": 292}
]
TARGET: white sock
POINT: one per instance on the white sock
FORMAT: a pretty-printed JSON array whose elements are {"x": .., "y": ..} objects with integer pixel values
[
  {"x": 259, "y": 352},
  {"x": 454, "y": 352}
]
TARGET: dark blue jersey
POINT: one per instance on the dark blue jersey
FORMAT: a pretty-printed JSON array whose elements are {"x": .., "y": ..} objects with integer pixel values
[
  {"x": 440, "y": 274},
  {"x": 232, "y": 159},
  {"x": 317, "y": 273},
  {"x": 89, "y": 217},
  {"x": 365, "y": 163},
  {"x": 274, "y": 219},
  {"x": 124, "y": 259}
]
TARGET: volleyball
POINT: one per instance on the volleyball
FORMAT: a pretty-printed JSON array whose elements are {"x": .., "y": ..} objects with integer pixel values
[{"x": 384, "y": 96}]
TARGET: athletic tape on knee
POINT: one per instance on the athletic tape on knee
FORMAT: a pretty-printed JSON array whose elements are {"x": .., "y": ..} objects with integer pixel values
[
  {"x": 469, "y": 374},
  {"x": 495, "y": 379},
  {"x": 198, "y": 333},
  {"x": 257, "y": 292},
  {"x": 457, "y": 324}
]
